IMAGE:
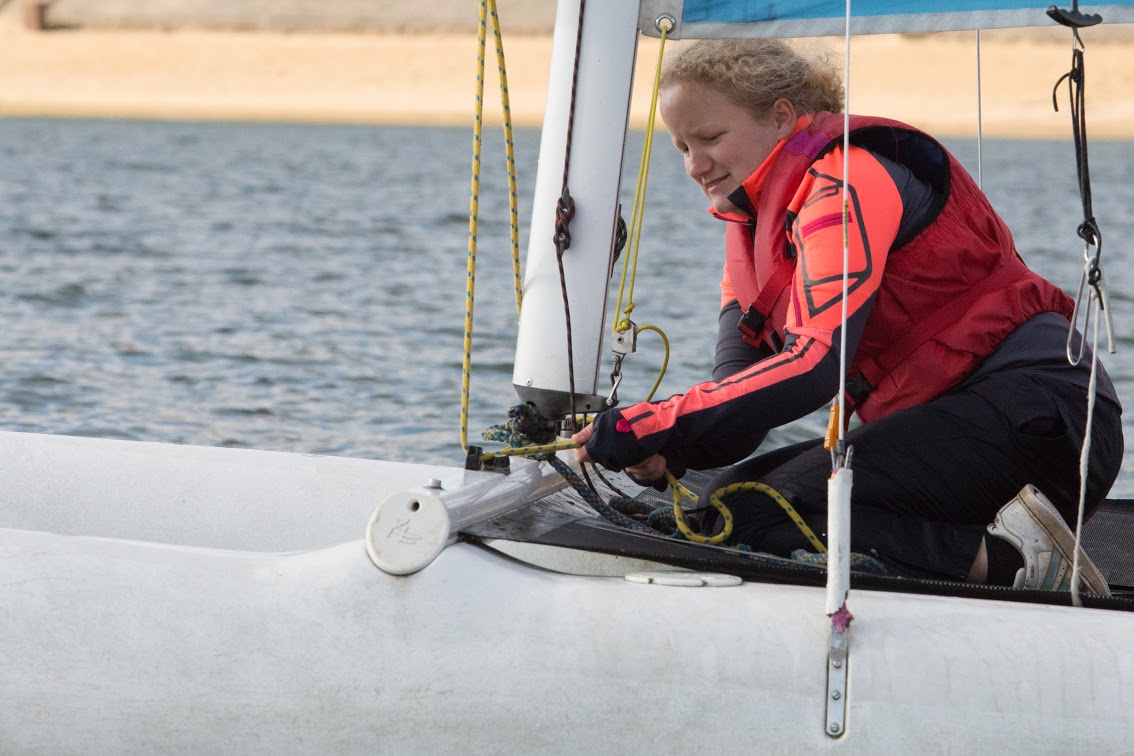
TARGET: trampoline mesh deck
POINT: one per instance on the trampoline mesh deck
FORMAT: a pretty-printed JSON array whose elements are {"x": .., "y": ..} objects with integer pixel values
[{"x": 565, "y": 519}]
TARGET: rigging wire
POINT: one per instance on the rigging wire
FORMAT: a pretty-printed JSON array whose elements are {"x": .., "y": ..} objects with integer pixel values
[
  {"x": 1084, "y": 466},
  {"x": 838, "y": 414},
  {"x": 840, "y": 484},
  {"x": 979, "y": 121},
  {"x": 1088, "y": 230},
  {"x": 1096, "y": 307}
]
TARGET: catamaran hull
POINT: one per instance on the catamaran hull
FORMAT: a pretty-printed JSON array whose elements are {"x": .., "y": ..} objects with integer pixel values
[{"x": 115, "y": 646}]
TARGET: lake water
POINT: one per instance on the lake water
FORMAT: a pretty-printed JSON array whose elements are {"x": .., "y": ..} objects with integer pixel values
[{"x": 301, "y": 288}]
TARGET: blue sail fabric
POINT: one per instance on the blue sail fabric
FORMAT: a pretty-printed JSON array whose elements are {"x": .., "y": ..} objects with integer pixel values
[{"x": 804, "y": 18}]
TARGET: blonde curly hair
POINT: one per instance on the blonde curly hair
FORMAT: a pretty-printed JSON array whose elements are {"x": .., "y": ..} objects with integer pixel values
[{"x": 754, "y": 73}]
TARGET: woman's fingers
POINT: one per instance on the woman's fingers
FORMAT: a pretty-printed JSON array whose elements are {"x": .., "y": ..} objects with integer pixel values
[
  {"x": 649, "y": 470},
  {"x": 581, "y": 438}
]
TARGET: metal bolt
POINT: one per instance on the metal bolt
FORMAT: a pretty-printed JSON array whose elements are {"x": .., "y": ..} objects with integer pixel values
[
  {"x": 837, "y": 664},
  {"x": 836, "y": 695},
  {"x": 434, "y": 483},
  {"x": 528, "y": 381},
  {"x": 834, "y": 728}
]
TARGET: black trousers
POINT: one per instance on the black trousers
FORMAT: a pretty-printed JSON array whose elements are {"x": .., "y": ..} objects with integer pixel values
[{"x": 929, "y": 479}]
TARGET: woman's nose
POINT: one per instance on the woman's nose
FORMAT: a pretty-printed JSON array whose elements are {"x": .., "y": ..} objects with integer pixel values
[{"x": 696, "y": 164}]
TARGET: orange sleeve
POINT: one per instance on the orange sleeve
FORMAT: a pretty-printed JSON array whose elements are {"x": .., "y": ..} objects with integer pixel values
[
  {"x": 874, "y": 208},
  {"x": 800, "y": 378}
]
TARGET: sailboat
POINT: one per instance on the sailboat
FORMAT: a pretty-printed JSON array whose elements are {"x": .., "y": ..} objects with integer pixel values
[{"x": 163, "y": 598}]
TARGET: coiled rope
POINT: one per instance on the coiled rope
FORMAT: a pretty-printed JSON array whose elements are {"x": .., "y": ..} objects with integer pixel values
[{"x": 527, "y": 433}]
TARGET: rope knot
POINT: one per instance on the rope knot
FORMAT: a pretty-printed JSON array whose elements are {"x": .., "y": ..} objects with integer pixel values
[
  {"x": 564, "y": 214},
  {"x": 524, "y": 427},
  {"x": 1089, "y": 231},
  {"x": 1094, "y": 273}
]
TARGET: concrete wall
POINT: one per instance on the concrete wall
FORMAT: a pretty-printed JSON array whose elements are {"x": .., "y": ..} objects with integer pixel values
[
  {"x": 517, "y": 16},
  {"x": 298, "y": 15}
]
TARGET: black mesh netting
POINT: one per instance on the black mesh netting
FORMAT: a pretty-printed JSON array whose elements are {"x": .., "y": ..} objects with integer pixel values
[{"x": 565, "y": 519}]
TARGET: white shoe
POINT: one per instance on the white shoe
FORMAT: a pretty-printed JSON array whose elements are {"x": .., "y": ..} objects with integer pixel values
[{"x": 1034, "y": 526}]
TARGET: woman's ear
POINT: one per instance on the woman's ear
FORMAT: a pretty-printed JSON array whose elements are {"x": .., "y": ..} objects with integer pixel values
[{"x": 784, "y": 117}]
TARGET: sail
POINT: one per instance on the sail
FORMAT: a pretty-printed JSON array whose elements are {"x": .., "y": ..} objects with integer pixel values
[{"x": 699, "y": 19}]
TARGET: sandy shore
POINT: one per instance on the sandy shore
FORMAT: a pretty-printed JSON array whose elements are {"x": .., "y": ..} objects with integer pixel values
[{"x": 429, "y": 78}]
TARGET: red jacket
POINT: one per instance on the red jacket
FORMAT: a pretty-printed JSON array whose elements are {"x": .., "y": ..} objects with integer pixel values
[
  {"x": 925, "y": 304},
  {"x": 947, "y": 296}
]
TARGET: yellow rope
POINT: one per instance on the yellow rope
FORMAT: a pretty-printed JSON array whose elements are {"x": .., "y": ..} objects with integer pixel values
[
  {"x": 529, "y": 451},
  {"x": 509, "y": 149},
  {"x": 487, "y": 7},
  {"x": 716, "y": 500},
  {"x": 665, "y": 362},
  {"x": 679, "y": 514},
  {"x": 635, "y": 230},
  {"x": 775, "y": 496}
]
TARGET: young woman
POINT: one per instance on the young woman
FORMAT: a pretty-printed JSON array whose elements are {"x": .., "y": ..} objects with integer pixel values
[{"x": 955, "y": 349}]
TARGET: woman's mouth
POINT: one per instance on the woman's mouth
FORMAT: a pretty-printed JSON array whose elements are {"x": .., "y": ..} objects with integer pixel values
[{"x": 711, "y": 184}]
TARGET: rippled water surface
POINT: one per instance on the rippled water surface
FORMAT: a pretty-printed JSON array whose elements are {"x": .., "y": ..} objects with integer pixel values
[{"x": 302, "y": 288}]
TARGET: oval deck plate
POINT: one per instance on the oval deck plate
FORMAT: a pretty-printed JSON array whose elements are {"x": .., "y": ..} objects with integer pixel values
[{"x": 684, "y": 579}]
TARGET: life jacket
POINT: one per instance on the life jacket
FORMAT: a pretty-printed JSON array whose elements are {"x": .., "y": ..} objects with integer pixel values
[{"x": 950, "y": 292}]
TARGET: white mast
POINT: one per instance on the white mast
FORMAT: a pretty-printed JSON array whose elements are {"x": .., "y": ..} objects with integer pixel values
[{"x": 588, "y": 109}]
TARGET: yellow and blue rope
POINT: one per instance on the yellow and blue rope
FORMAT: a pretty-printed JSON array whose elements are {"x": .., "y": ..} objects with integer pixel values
[{"x": 487, "y": 9}]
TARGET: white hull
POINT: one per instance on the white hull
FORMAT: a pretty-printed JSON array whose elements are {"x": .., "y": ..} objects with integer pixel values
[{"x": 112, "y": 645}]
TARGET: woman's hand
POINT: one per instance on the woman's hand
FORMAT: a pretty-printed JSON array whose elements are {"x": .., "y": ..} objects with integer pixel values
[
  {"x": 581, "y": 438},
  {"x": 648, "y": 472}
]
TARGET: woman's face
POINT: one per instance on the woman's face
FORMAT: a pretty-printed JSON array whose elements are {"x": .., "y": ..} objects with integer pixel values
[{"x": 723, "y": 143}]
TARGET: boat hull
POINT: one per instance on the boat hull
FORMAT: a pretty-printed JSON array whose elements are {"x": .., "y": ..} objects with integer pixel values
[{"x": 114, "y": 646}]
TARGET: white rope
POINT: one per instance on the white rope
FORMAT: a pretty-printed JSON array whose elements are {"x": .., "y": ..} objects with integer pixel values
[
  {"x": 979, "y": 121},
  {"x": 1084, "y": 461},
  {"x": 846, "y": 222},
  {"x": 841, "y": 481}
]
